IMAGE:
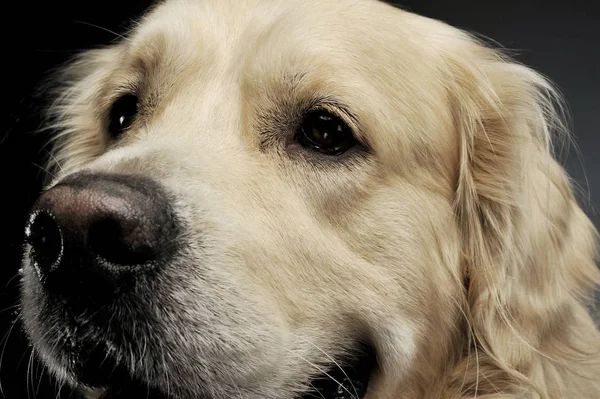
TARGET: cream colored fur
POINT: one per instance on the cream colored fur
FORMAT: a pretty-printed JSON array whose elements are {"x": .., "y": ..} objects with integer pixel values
[{"x": 456, "y": 245}]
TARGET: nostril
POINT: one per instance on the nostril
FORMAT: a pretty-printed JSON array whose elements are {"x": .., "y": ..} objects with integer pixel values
[
  {"x": 114, "y": 241},
  {"x": 45, "y": 237},
  {"x": 94, "y": 235}
]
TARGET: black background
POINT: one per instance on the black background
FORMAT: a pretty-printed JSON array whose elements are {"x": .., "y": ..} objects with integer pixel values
[{"x": 561, "y": 40}]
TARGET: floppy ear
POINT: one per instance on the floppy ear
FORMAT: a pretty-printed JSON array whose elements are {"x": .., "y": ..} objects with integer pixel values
[{"x": 528, "y": 247}]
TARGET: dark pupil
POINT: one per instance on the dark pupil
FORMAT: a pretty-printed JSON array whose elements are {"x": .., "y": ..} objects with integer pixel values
[
  {"x": 325, "y": 131},
  {"x": 122, "y": 114}
]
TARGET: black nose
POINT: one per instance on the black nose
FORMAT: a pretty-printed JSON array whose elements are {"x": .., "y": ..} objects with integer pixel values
[{"x": 95, "y": 234}]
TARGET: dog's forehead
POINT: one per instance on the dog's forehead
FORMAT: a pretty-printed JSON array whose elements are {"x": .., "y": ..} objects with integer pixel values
[
  {"x": 212, "y": 28},
  {"x": 255, "y": 55}
]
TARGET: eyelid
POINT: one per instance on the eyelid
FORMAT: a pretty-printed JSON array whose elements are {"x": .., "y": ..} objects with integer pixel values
[
  {"x": 119, "y": 88},
  {"x": 123, "y": 90},
  {"x": 336, "y": 108}
]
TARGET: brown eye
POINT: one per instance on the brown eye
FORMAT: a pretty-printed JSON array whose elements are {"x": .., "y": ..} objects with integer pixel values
[
  {"x": 122, "y": 114},
  {"x": 326, "y": 133}
]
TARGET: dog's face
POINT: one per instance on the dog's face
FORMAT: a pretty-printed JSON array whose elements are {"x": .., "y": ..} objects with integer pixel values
[{"x": 251, "y": 192}]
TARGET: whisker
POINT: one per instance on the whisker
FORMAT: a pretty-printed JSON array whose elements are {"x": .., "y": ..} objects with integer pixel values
[
  {"x": 321, "y": 370},
  {"x": 56, "y": 161},
  {"x": 42, "y": 367},
  {"x": 10, "y": 280},
  {"x": 15, "y": 306},
  {"x": 58, "y": 387},
  {"x": 44, "y": 169},
  {"x": 5, "y": 339},
  {"x": 333, "y": 360},
  {"x": 29, "y": 378},
  {"x": 101, "y": 28},
  {"x": 317, "y": 391}
]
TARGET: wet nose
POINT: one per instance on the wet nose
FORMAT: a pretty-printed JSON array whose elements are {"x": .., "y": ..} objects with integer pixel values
[{"x": 98, "y": 233}]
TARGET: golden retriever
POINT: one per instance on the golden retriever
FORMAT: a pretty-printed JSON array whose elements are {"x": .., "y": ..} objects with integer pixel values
[{"x": 301, "y": 198}]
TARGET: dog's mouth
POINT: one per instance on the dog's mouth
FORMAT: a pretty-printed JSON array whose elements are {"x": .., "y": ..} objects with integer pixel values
[
  {"x": 129, "y": 388},
  {"x": 347, "y": 379}
]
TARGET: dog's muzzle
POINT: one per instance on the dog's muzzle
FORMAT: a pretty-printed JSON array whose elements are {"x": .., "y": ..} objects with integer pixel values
[{"x": 99, "y": 243}]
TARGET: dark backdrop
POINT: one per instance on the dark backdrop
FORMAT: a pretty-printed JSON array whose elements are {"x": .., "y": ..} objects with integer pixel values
[{"x": 559, "y": 40}]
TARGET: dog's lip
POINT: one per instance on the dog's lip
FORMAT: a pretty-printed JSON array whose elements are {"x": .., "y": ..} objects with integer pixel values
[
  {"x": 96, "y": 366},
  {"x": 347, "y": 379},
  {"x": 126, "y": 392},
  {"x": 123, "y": 386}
]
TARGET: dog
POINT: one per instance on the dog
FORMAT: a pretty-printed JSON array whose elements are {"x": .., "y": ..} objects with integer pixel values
[{"x": 296, "y": 199}]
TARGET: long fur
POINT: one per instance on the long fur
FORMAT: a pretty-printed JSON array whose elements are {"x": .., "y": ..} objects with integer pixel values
[
  {"x": 529, "y": 249},
  {"x": 504, "y": 255}
]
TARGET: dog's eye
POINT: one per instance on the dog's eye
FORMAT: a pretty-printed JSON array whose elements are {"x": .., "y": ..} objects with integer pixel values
[
  {"x": 326, "y": 133},
  {"x": 122, "y": 114}
]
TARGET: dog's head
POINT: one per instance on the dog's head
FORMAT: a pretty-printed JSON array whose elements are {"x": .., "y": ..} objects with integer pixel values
[{"x": 284, "y": 199}]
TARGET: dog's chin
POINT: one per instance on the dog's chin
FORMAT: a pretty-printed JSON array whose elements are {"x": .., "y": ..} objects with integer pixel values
[
  {"x": 102, "y": 356},
  {"x": 95, "y": 367},
  {"x": 122, "y": 385},
  {"x": 347, "y": 379}
]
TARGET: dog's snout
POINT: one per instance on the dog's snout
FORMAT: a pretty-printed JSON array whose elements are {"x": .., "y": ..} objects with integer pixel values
[{"x": 96, "y": 232}]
